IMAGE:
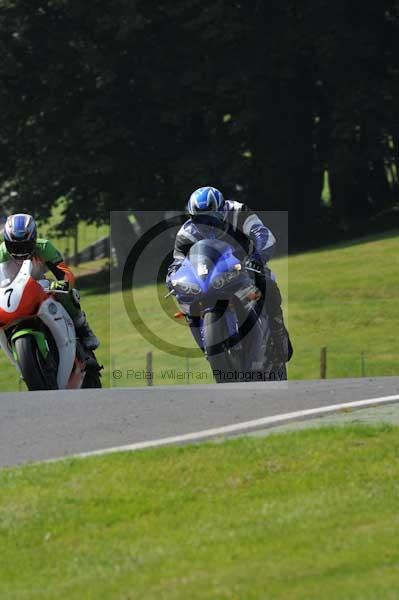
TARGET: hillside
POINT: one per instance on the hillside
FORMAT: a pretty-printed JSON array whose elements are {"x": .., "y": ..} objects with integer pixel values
[{"x": 344, "y": 298}]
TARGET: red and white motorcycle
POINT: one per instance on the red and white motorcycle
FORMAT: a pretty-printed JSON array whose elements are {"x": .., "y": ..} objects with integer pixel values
[{"x": 38, "y": 335}]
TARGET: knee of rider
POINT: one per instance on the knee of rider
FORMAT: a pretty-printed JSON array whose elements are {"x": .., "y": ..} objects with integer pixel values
[
  {"x": 269, "y": 274},
  {"x": 273, "y": 294},
  {"x": 75, "y": 297}
]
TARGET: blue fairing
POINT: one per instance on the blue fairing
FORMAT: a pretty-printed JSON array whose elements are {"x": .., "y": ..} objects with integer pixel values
[
  {"x": 199, "y": 269},
  {"x": 209, "y": 273}
]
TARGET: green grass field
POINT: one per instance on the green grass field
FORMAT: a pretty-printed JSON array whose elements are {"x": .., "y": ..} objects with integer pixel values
[
  {"x": 305, "y": 515},
  {"x": 344, "y": 298}
]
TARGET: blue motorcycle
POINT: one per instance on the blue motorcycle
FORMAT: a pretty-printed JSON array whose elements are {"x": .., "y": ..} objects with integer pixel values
[{"x": 214, "y": 287}]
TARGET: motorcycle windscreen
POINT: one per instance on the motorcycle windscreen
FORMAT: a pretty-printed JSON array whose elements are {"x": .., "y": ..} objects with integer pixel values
[
  {"x": 8, "y": 272},
  {"x": 206, "y": 254}
]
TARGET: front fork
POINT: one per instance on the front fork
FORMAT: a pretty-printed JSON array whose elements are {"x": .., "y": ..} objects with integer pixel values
[
  {"x": 8, "y": 350},
  {"x": 8, "y": 344},
  {"x": 226, "y": 312}
]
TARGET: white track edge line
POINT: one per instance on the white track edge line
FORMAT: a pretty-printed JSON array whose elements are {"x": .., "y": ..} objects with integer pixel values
[{"x": 236, "y": 427}]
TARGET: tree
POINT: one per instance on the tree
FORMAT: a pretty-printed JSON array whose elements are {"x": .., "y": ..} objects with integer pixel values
[{"x": 132, "y": 104}]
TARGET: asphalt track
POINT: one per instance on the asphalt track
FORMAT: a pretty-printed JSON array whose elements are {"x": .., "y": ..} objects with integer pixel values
[{"x": 37, "y": 426}]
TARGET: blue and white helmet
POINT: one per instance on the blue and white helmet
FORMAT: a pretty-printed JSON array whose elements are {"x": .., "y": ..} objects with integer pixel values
[
  {"x": 205, "y": 200},
  {"x": 20, "y": 234}
]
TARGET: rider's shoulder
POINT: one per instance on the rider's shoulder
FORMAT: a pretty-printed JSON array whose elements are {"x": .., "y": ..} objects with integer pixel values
[
  {"x": 42, "y": 244},
  {"x": 234, "y": 205},
  {"x": 187, "y": 228},
  {"x": 46, "y": 250},
  {"x": 4, "y": 255}
]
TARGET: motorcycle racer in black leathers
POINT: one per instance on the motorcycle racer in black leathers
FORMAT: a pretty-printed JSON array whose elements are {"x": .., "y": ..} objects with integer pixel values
[{"x": 235, "y": 221}]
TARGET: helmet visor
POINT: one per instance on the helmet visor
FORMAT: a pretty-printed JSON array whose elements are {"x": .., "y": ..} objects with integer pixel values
[
  {"x": 213, "y": 218},
  {"x": 21, "y": 250}
]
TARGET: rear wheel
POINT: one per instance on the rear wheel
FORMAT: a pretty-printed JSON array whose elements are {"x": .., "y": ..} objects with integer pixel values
[{"x": 32, "y": 365}]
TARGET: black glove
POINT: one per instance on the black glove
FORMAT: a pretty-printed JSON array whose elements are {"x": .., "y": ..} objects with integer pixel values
[
  {"x": 59, "y": 286},
  {"x": 254, "y": 264}
]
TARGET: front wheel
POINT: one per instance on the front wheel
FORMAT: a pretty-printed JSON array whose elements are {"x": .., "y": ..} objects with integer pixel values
[
  {"x": 32, "y": 364},
  {"x": 217, "y": 348}
]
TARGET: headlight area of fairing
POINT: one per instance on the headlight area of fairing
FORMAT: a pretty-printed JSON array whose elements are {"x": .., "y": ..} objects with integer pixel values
[
  {"x": 220, "y": 281},
  {"x": 186, "y": 290}
]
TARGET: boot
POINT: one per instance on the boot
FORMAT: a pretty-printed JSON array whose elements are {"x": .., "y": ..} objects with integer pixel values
[
  {"x": 84, "y": 332},
  {"x": 282, "y": 343},
  {"x": 281, "y": 340}
]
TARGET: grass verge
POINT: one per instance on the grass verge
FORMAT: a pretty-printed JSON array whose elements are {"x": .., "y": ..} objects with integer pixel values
[{"x": 304, "y": 515}]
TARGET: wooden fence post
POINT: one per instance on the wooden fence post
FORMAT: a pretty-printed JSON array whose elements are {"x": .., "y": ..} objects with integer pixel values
[
  {"x": 323, "y": 363},
  {"x": 362, "y": 365},
  {"x": 149, "y": 371}
]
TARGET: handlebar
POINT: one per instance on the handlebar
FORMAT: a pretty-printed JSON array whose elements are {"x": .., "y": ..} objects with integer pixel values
[
  {"x": 48, "y": 291},
  {"x": 45, "y": 283}
]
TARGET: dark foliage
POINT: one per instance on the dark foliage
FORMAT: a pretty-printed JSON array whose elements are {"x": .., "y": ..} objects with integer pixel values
[{"x": 131, "y": 104}]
